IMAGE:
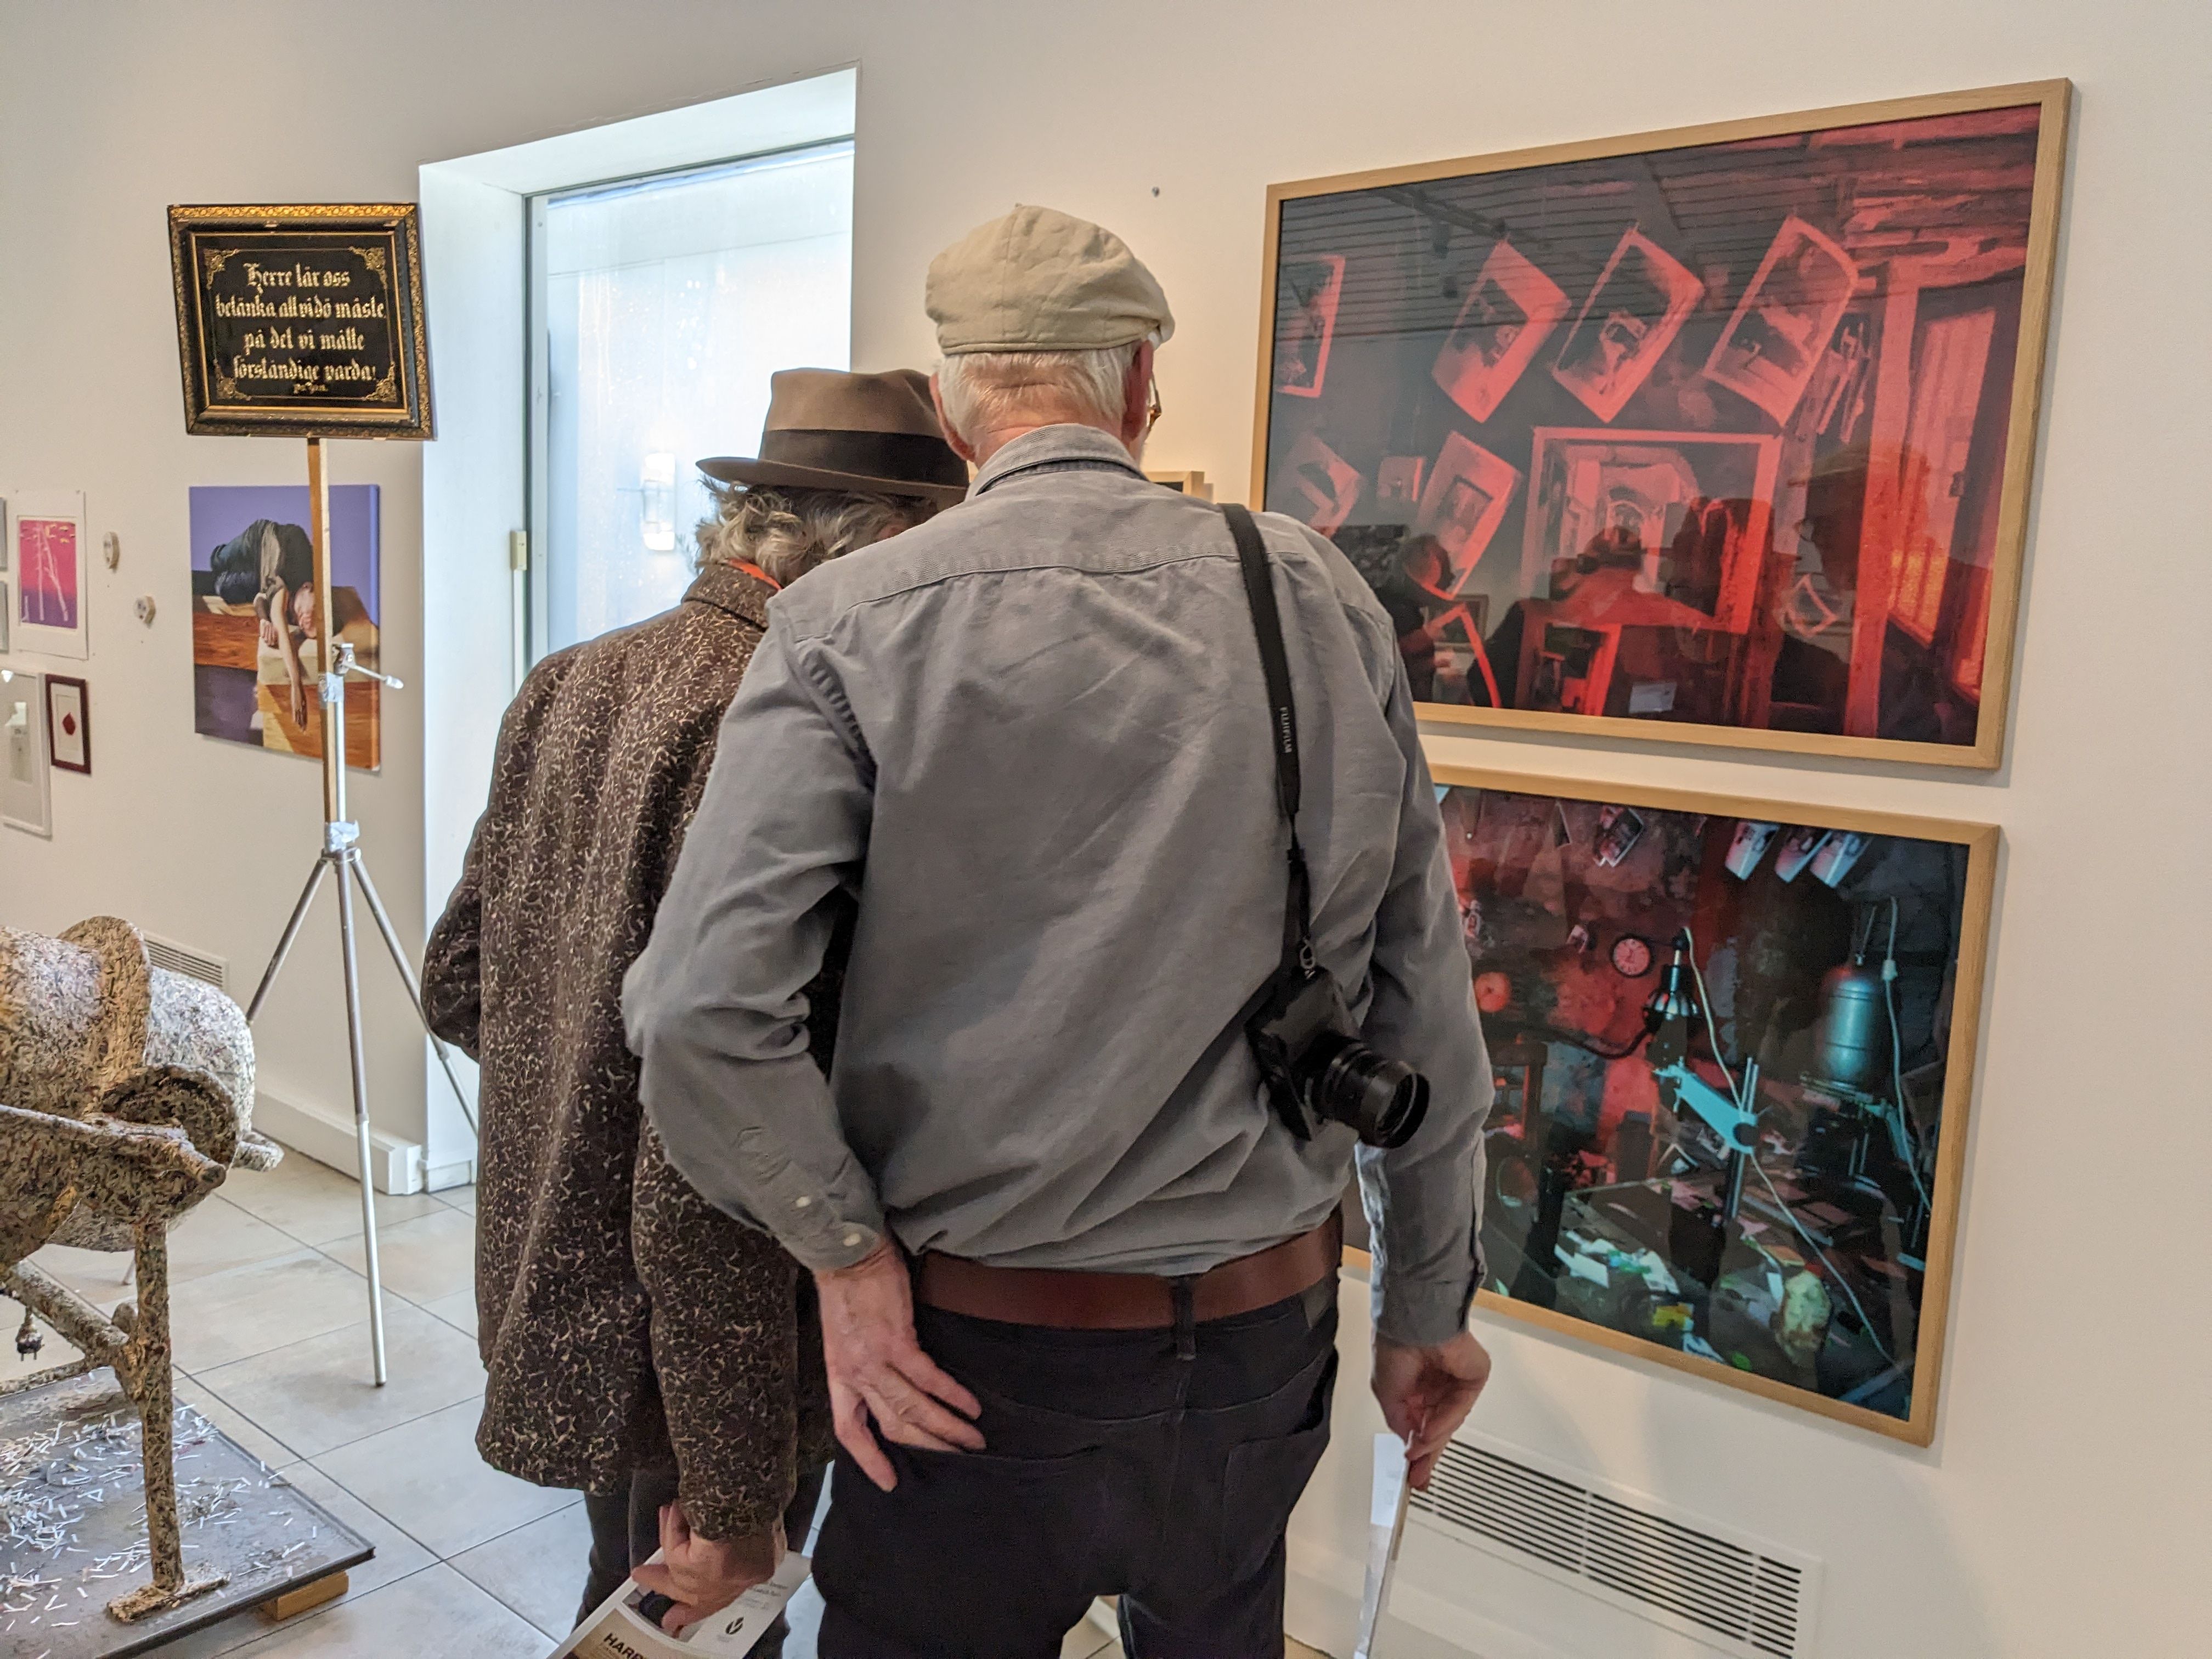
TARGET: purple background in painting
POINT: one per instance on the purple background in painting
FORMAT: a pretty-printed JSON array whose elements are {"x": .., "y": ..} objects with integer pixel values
[{"x": 219, "y": 512}]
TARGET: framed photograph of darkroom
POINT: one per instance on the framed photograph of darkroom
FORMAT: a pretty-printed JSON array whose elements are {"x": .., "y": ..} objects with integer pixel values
[
  {"x": 302, "y": 321},
  {"x": 1725, "y": 433},
  {"x": 1733, "y": 1046}
]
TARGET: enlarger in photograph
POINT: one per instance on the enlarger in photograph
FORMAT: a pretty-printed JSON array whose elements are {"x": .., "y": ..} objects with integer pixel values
[
  {"x": 1742, "y": 413},
  {"x": 1733, "y": 1057}
]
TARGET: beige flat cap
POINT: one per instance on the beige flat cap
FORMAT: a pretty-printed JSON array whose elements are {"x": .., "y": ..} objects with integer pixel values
[{"x": 1038, "y": 280}]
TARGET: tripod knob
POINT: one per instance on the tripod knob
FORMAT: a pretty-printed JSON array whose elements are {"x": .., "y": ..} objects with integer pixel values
[{"x": 342, "y": 663}]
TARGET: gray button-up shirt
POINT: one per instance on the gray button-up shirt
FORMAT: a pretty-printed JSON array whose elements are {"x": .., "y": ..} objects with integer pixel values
[{"x": 1031, "y": 737}]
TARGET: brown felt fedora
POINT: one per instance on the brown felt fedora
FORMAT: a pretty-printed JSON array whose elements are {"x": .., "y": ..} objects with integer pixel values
[{"x": 874, "y": 433}]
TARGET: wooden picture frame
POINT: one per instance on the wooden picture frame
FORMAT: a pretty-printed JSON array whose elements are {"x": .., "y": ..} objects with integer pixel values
[
  {"x": 1895, "y": 379},
  {"x": 303, "y": 320},
  {"x": 1528, "y": 948},
  {"x": 69, "y": 724},
  {"x": 1193, "y": 484}
]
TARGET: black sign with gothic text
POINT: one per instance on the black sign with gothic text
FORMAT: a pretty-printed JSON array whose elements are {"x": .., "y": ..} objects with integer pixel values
[{"x": 302, "y": 321}]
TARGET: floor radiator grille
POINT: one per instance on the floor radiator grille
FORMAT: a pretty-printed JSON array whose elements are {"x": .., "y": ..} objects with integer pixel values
[{"x": 1732, "y": 1592}]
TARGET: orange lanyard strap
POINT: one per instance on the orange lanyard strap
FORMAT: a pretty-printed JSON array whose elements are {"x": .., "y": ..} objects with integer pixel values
[{"x": 757, "y": 574}]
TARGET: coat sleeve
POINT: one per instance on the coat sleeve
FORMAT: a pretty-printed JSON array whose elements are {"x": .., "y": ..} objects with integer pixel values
[
  {"x": 739, "y": 1364},
  {"x": 453, "y": 960},
  {"x": 726, "y": 1344},
  {"x": 452, "y": 957}
]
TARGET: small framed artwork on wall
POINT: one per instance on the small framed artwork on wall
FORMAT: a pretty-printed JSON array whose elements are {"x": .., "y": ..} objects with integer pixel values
[
  {"x": 69, "y": 724},
  {"x": 46, "y": 537},
  {"x": 1741, "y": 414}
]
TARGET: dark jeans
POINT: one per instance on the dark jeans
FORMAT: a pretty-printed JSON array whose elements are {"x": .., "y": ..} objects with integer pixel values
[
  {"x": 626, "y": 1530},
  {"x": 1160, "y": 1465}
]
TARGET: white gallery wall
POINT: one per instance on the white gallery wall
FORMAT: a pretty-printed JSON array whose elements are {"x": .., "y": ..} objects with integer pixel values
[{"x": 2062, "y": 1509}]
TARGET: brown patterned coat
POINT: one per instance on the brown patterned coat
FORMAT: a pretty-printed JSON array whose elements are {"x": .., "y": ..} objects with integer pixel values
[{"x": 626, "y": 1323}]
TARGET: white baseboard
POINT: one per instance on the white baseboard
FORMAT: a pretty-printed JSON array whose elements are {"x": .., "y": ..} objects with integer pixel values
[
  {"x": 1323, "y": 1609},
  {"x": 440, "y": 1177},
  {"x": 395, "y": 1165}
]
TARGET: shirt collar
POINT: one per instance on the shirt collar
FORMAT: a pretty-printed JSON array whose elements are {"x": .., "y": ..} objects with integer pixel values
[
  {"x": 727, "y": 588},
  {"x": 1053, "y": 443}
]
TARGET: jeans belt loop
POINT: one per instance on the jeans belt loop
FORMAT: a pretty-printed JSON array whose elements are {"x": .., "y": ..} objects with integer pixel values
[{"x": 1185, "y": 1300}]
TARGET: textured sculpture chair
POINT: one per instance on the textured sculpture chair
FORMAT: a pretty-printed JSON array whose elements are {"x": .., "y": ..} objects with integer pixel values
[{"x": 126, "y": 1094}]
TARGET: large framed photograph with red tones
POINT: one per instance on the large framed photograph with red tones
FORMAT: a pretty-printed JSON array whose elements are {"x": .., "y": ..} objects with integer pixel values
[
  {"x": 1733, "y": 1044},
  {"x": 1724, "y": 432}
]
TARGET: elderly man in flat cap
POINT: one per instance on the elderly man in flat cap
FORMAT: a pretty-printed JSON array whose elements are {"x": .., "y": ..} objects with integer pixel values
[
  {"x": 1077, "y": 1273},
  {"x": 641, "y": 1345}
]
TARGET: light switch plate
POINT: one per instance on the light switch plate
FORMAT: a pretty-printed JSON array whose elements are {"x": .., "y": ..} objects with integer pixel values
[{"x": 26, "y": 781}]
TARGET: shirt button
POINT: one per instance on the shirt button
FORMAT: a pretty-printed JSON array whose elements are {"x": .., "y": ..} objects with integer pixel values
[
  {"x": 852, "y": 1240},
  {"x": 800, "y": 1203}
]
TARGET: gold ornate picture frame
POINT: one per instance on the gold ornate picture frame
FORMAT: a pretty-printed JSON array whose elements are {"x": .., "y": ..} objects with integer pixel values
[
  {"x": 1725, "y": 432},
  {"x": 1733, "y": 1043},
  {"x": 302, "y": 321}
]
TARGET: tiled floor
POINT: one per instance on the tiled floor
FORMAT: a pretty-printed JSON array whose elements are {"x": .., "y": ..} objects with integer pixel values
[
  {"x": 271, "y": 1319},
  {"x": 271, "y": 1314}
]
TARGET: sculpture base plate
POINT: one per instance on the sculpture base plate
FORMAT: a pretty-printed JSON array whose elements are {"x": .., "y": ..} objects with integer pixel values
[{"x": 73, "y": 1524}]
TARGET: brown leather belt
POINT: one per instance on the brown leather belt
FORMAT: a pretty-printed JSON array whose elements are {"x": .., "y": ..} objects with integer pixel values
[{"x": 1128, "y": 1302}]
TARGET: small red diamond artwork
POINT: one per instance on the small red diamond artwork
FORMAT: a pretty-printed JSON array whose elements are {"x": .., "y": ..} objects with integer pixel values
[{"x": 68, "y": 719}]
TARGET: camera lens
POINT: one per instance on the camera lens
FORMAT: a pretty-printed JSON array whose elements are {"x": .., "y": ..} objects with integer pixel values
[{"x": 1383, "y": 1100}]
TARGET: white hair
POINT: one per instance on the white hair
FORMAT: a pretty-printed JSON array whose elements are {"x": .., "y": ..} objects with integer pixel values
[
  {"x": 786, "y": 532},
  {"x": 986, "y": 391}
]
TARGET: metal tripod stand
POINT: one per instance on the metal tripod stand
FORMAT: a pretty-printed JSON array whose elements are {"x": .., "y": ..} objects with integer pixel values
[{"x": 340, "y": 855}]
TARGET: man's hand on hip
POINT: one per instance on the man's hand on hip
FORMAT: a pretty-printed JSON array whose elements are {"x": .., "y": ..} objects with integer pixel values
[
  {"x": 1427, "y": 1394},
  {"x": 702, "y": 1576},
  {"x": 877, "y": 1369}
]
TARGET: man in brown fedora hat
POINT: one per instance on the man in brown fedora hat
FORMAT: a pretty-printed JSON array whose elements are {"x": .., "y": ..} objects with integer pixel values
[
  {"x": 1078, "y": 1262},
  {"x": 640, "y": 1344}
]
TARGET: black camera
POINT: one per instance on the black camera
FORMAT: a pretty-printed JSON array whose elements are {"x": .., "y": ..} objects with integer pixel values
[{"x": 1317, "y": 1071}]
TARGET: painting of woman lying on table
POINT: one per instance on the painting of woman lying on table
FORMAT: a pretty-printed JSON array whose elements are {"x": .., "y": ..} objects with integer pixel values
[{"x": 257, "y": 627}]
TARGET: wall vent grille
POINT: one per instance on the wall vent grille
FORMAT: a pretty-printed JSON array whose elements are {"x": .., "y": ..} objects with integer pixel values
[
  {"x": 1727, "y": 1590},
  {"x": 193, "y": 965}
]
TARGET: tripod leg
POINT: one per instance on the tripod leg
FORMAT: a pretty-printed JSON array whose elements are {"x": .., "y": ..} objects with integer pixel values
[
  {"x": 291, "y": 932},
  {"x": 407, "y": 975},
  {"x": 360, "y": 1128}
]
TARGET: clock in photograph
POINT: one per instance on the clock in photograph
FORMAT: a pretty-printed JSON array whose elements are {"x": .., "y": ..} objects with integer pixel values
[{"x": 1632, "y": 956}]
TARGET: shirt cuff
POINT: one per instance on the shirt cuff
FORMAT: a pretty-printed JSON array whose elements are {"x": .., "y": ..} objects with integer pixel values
[
  {"x": 824, "y": 1229},
  {"x": 1420, "y": 1313},
  {"x": 844, "y": 1243}
]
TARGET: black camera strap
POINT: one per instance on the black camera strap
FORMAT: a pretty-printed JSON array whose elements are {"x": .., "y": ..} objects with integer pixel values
[{"x": 1275, "y": 664}]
